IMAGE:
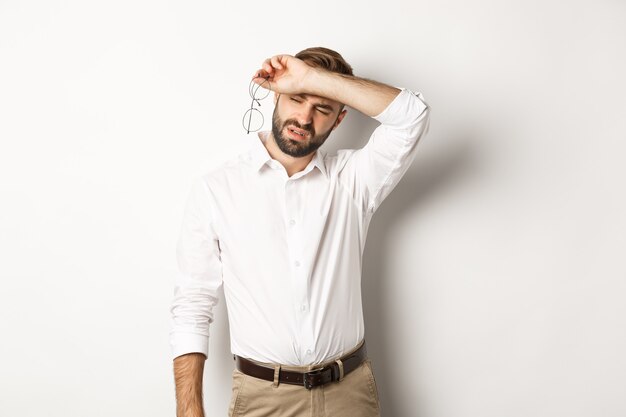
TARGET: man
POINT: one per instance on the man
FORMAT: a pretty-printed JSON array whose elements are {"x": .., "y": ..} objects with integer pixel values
[{"x": 282, "y": 227}]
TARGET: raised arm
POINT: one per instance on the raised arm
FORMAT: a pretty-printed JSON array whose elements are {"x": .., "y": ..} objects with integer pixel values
[{"x": 290, "y": 75}]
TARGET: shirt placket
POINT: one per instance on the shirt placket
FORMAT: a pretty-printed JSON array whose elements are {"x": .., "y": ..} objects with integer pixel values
[{"x": 301, "y": 296}]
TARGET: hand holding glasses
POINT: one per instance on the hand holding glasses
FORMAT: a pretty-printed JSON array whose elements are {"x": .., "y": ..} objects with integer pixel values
[{"x": 253, "y": 118}]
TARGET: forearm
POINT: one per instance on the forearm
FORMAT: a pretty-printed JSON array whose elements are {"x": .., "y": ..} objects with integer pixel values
[
  {"x": 188, "y": 371},
  {"x": 367, "y": 96}
]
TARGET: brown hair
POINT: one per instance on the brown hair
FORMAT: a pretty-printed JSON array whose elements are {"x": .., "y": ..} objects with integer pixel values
[{"x": 325, "y": 58}]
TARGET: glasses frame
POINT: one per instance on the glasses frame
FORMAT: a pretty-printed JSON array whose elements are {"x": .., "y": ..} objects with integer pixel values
[{"x": 256, "y": 97}]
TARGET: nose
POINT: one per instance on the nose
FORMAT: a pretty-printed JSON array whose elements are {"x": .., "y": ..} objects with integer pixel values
[{"x": 305, "y": 116}]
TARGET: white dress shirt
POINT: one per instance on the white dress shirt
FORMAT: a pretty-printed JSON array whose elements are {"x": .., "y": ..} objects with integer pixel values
[{"x": 288, "y": 250}]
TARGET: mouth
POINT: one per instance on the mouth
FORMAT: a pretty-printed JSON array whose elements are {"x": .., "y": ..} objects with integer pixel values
[{"x": 296, "y": 133}]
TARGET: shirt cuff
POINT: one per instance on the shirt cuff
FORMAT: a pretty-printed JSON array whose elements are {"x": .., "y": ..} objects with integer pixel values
[
  {"x": 404, "y": 110},
  {"x": 183, "y": 343}
]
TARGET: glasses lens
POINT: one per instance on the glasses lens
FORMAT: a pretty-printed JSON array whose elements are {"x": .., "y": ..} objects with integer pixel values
[
  {"x": 252, "y": 120},
  {"x": 259, "y": 92}
]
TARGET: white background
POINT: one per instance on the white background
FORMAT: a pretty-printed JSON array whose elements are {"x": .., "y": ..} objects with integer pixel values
[{"x": 494, "y": 280}]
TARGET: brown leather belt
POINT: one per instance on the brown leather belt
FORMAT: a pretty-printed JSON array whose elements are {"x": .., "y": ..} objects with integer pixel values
[{"x": 310, "y": 379}]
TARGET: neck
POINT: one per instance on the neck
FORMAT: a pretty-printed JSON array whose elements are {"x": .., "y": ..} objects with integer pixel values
[{"x": 292, "y": 164}]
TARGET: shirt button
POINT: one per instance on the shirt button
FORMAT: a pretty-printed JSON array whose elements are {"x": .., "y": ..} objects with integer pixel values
[
  {"x": 303, "y": 307},
  {"x": 308, "y": 351},
  {"x": 292, "y": 222},
  {"x": 297, "y": 263}
]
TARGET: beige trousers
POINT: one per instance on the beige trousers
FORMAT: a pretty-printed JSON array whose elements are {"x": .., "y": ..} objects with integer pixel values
[{"x": 355, "y": 395}]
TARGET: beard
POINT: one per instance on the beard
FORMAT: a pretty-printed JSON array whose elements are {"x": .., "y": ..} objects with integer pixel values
[{"x": 292, "y": 147}]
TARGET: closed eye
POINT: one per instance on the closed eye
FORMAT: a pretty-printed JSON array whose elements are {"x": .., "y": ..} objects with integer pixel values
[{"x": 319, "y": 109}]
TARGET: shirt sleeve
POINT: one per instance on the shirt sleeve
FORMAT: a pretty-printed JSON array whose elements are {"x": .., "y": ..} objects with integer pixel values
[
  {"x": 199, "y": 276},
  {"x": 374, "y": 170}
]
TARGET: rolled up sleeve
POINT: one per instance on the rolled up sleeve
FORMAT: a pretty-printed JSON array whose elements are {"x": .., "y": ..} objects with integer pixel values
[
  {"x": 199, "y": 276},
  {"x": 376, "y": 169}
]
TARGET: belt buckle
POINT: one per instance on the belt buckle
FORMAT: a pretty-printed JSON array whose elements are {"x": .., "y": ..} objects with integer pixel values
[{"x": 313, "y": 372}]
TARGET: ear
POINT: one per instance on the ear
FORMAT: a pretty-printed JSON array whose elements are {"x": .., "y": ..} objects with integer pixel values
[
  {"x": 276, "y": 95},
  {"x": 340, "y": 118}
]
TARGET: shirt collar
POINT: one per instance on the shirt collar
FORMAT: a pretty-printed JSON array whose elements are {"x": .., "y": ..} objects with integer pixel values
[{"x": 259, "y": 155}]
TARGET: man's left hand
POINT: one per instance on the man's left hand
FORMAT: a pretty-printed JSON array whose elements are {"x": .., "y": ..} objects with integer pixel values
[{"x": 287, "y": 74}]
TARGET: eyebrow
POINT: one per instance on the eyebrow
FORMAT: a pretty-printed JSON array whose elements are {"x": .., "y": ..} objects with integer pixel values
[{"x": 319, "y": 105}]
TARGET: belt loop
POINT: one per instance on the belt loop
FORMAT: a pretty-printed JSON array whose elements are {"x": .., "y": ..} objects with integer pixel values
[
  {"x": 276, "y": 376},
  {"x": 340, "y": 363}
]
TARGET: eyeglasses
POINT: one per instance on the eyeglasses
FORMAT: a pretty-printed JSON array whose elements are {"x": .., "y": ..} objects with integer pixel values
[{"x": 253, "y": 118}]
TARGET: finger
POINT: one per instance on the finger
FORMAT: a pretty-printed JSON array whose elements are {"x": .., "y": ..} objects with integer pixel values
[
  {"x": 276, "y": 62},
  {"x": 267, "y": 65},
  {"x": 263, "y": 82},
  {"x": 261, "y": 73}
]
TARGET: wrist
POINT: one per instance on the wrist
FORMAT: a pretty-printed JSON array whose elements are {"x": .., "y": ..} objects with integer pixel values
[{"x": 311, "y": 81}]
